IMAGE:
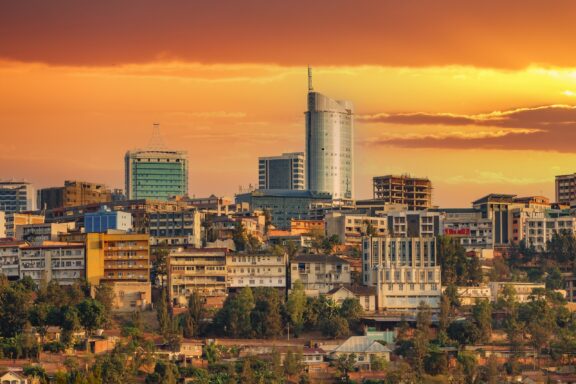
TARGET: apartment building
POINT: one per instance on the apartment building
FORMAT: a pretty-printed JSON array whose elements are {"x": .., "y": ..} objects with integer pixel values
[
  {"x": 350, "y": 227},
  {"x": 415, "y": 192},
  {"x": 282, "y": 172},
  {"x": 74, "y": 193},
  {"x": 117, "y": 257},
  {"x": 468, "y": 226},
  {"x": 9, "y": 258},
  {"x": 320, "y": 273},
  {"x": 256, "y": 271},
  {"x": 405, "y": 271},
  {"x": 105, "y": 219},
  {"x": 203, "y": 270},
  {"x": 413, "y": 223},
  {"x": 523, "y": 291},
  {"x": 496, "y": 207},
  {"x": 17, "y": 196},
  {"x": 63, "y": 262},
  {"x": 541, "y": 226},
  {"x": 182, "y": 227},
  {"x": 566, "y": 188},
  {"x": 13, "y": 220},
  {"x": 39, "y": 233}
]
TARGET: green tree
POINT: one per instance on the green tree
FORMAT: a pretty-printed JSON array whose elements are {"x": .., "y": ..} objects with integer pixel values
[
  {"x": 235, "y": 316},
  {"x": 344, "y": 365},
  {"x": 105, "y": 295},
  {"x": 193, "y": 317},
  {"x": 14, "y": 308},
  {"x": 159, "y": 270},
  {"x": 352, "y": 310},
  {"x": 554, "y": 279},
  {"x": 335, "y": 327},
  {"x": 247, "y": 373},
  {"x": 266, "y": 320},
  {"x": 482, "y": 313},
  {"x": 296, "y": 306},
  {"x": 162, "y": 312},
  {"x": 464, "y": 332},
  {"x": 240, "y": 237},
  {"x": 164, "y": 373},
  {"x": 91, "y": 314}
]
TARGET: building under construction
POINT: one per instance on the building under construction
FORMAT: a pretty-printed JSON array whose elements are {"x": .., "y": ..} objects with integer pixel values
[{"x": 415, "y": 192}]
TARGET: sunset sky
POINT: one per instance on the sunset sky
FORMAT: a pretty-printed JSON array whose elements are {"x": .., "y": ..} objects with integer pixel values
[{"x": 479, "y": 96}]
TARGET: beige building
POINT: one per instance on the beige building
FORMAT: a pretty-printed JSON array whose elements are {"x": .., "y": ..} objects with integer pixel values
[
  {"x": 13, "y": 220},
  {"x": 415, "y": 192},
  {"x": 131, "y": 295},
  {"x": 404, "y": 271},
  {"x": 38, "y": 233},
  {"x": 540, "y": 228},
  {"x": 365, "y": 295},
  {"x": 256, "y": 271},
  {"x": 202, "y": 270},
  {"x": 351, "y": 227},
  {"x": 468, "y": 226},
  {"x": 63, "y": 262},
  {"x": 2, "y": 225},
  {"x": 470, "y": 295},
  {"x": 320, "y": 273},
  {"x": 523, "y": 291},
  {"x": 364, "y": 348}
]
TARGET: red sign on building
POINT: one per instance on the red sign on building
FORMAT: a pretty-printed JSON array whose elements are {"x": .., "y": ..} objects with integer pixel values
[{"x": 457, "y": 231}]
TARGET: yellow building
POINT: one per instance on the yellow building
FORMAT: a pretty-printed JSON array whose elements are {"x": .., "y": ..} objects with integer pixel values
[{"x": 117, "y": 257}]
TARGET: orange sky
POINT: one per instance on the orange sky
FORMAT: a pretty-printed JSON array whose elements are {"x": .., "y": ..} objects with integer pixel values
[{"x": 478, "y": 96}]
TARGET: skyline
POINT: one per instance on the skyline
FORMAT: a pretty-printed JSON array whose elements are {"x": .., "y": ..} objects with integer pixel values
[{"x": 489, "y": 109}]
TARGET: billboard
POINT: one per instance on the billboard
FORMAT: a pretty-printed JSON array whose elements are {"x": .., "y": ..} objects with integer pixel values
[{"x": 457, "y": 231}]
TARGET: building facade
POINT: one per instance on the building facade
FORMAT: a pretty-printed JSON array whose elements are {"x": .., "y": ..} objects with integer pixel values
[
  {"x": 156, "y": 174},
  {"x": 256, "y": 271},
  {"x": 496, "y": 207},
  {"x": 17, "y": 196},
  {"x": 38, "y": 233},
  {"x": 282, "y": 172},
  {"x": 350, "y": 227},
  {"x": 414, "y": 192},
  {"x": 115, "y": 257},
  {"x": 200, "y": 270},
  {"x": 181, "y": 227},
  {"x": 63, "y": 262},
  {"x": 405, "y": 272},
  {"x": 10, "y": 258},
  {"x": 2, "y": 224},
  {"x": 105, "y": 219},
  {"x": 566, "y": 188},
  {"x": 329, "y": 145},
  {"x": 14, "y": 220},
  {"x": 468, "y": 226},
  {"x": 320, "y": 273},
  {"x": 283, "y": 205}
]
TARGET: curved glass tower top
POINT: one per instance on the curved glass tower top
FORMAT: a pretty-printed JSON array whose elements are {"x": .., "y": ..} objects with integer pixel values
[{"x": 330, "y": 146}]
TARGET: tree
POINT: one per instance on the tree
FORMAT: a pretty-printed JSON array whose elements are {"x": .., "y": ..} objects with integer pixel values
[
  {"x": 14, "y": 308},
  {"x": 469, "y": 366},
  {"x": 164, "y": 373},
  {"x": 335, "y": 327},
  {"x": 194, "y": 315},
  {"x": 464, "y": 332},
  {"x": 490, "y": 372},
  {"x": 265, "y": 317},
  {"x": 296, "y": 306},
  {"x": 162, "y": 312},
  {"x": 70, "y": 324},
  {"x": 554, "y": 279},
  {"x": 352, "y": 310},
  {"x": 105, "y": 295},
  {"x": 91, "y": 314},
  {"x": 328, "y": 244},
  {"x": 247, "y": 374},
  {"x": 240, "y": 237},
  {"x": 482, "y": 313},
  {"x": 159, "y": 269},
  {"x": 293, "y": 364},
  {"x": 344, "y": 365},
  {"x": 235, "y": 316}
]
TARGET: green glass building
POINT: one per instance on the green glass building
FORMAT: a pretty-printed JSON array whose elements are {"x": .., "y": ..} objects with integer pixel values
[{"x": 156, "y": 174}]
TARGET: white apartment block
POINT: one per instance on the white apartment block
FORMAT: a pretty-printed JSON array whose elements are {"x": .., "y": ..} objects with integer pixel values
[
  {"x": 467, "y": 225},
  {"x": 63, "y": 262},
  {"x": 540, "y": 228},
  {"x": 320, "y": 273},
  {"x": 404, "y": 271},
  {"x": 256, "y": 271},
  {"x": 9, "y": 258},
  {"x": 413, "y": 223},
  {"x": 351, "y": 227}
]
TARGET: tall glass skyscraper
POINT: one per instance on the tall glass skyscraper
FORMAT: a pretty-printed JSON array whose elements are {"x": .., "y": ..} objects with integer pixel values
[
  {"x": 156, "y": 173},
  {"x": 329, "y": 145}
]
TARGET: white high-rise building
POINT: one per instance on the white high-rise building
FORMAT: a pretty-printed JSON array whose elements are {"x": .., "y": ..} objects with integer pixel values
[{"x": 329, "y": 144}]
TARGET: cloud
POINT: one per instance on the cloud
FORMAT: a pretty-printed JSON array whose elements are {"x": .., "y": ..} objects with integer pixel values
[
  {"x": 298, "y": 32},
  {"x": 546, "y": 128}
]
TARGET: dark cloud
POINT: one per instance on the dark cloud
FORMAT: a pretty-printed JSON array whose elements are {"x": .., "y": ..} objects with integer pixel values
[
  {"x": 546, "y": 128},
  {"x": 489, "y": 33}
]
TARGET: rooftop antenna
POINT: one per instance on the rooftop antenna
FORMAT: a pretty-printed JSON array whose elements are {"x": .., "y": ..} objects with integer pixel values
[
  {"x": 156, "y": 141},
  {"x": 310, "y": 88}
]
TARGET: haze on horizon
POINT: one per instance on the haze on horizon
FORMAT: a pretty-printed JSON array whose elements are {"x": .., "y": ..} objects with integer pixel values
[{"x": 477, "y": 96}]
